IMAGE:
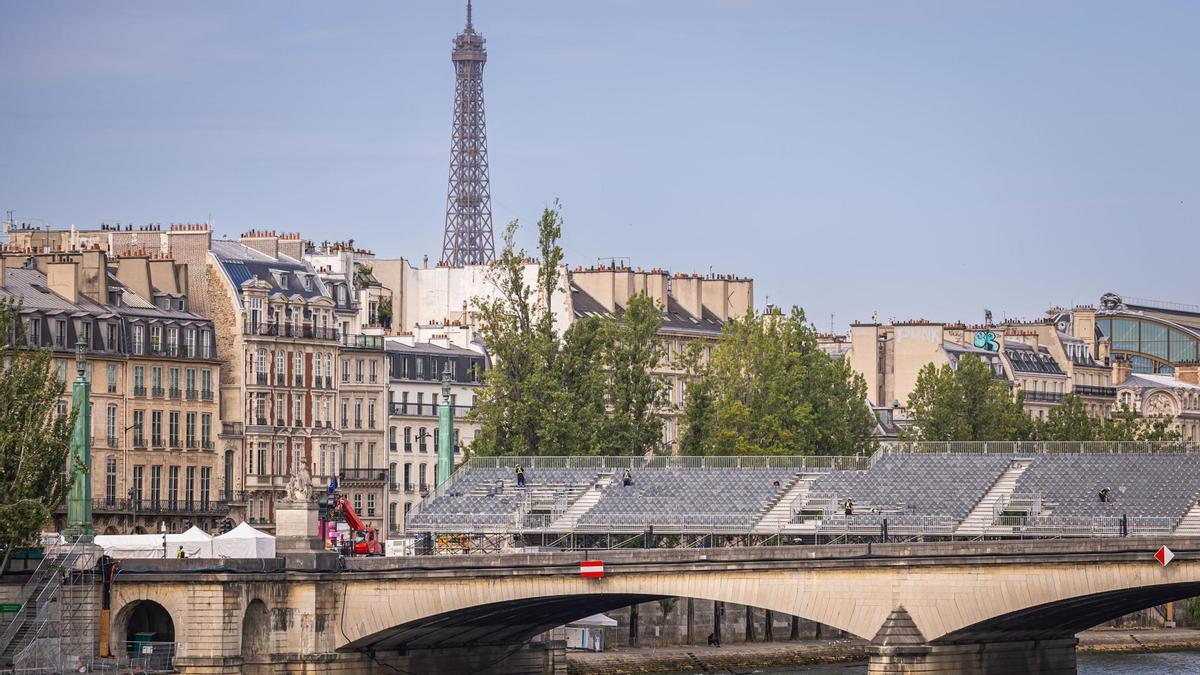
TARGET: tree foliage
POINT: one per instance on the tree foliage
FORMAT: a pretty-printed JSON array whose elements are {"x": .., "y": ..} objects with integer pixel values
[
  {"x": 968, "y": 404},
  {"x": 34, "y": 437},
  {"x": 589, "y": 390},
  {"x": 769, "y": 389},
  {"x": 965, "y": 404},
  {"x": 1068, "y": 421}
]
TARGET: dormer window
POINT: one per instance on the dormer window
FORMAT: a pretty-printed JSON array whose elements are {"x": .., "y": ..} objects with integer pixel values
[
  {"x": 280, "y": 278},
  {"x": 307, "y": 280},
  {"x": 33, "y": 331}
]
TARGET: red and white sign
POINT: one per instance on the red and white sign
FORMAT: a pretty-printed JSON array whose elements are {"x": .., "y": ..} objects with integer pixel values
[
  {"x": 591, "y": 569},
  {"x": 1164, "y": 556}
]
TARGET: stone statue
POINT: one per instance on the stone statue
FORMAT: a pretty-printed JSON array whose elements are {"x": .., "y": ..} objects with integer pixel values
[{"x": 299, "y": 487}]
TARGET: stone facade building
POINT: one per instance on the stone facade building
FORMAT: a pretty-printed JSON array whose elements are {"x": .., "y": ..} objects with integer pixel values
[
  {"x": 153, "y": 369},
  {"x": 415, "y": 368},
  {"x": 281, "y": 346}
]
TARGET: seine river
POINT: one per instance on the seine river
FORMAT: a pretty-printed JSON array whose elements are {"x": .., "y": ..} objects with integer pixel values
[{"x": 1089, "y": 664}]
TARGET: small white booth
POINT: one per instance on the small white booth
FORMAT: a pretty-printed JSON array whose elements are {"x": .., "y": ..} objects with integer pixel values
[
  {"x": 588, "y": 633},
  {"x": 244, "y": 541}
]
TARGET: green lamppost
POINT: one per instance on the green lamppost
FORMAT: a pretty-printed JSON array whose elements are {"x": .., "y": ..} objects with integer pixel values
[
  {"x": 445, "y": 450},
  {"x": 79, "y": 500}
]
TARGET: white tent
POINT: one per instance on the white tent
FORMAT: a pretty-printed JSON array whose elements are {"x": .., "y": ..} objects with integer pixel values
[
  {"x": 244, "y": 541},
  {"x": 122, "y": 546},
  {"x": 195, "y": 542}
]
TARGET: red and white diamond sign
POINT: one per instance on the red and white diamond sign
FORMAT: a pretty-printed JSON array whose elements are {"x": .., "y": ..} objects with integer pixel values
[
  {"x": 1164, "y": 556},
  {"x": 591, "y": 569}
]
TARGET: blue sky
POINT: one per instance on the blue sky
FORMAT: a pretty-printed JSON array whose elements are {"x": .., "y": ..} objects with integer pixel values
[{"x": 918, "y": 159}]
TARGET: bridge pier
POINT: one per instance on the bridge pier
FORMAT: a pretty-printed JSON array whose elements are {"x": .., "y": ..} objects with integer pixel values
[
  {"x": 900, "y": 649},
  {"x": 1043, "y": 657}
]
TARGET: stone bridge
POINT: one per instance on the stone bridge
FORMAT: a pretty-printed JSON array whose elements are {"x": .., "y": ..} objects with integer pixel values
[{"x": 951, "y": 606}]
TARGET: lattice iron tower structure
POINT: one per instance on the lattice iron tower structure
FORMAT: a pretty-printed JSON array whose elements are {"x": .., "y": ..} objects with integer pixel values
[{"x": 468, "y": 238}]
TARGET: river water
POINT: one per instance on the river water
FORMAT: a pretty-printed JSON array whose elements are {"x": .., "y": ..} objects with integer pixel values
[{"x": 1159, "y": 663}]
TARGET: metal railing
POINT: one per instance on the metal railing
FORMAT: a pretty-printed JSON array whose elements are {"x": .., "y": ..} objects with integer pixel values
[
  {"x": 363, "y": 341},
  {"x": 1030, "y": 448},
  {"x": 364, "y": 474},
  {"x": 813, "y": 463},
  {"x": 428, "y": 410},
  {"x": 1090, "y": 390},
  {"x": 163, "y": 506}
]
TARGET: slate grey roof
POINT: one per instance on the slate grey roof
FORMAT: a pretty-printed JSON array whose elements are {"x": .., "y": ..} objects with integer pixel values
[
  {"x": 1024, "y": 359},
  {"x": 29, "y": 287},
  {"x": 1147, "y": 381},
  {"x": 284, "y": 274},
  {"x": 428, "y": 348}
]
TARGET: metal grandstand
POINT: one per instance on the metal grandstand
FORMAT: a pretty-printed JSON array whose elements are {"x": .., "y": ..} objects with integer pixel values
[{"x": 903, "y": 491}]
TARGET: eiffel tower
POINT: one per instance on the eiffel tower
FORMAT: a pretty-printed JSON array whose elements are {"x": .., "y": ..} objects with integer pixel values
[{"x": 468, "y": 236}]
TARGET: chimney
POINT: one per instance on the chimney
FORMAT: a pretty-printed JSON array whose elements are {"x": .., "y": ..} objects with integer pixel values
[
  {"x": 62, "y": 277},
  {"x": 714, "y": 293},
  {"x": 291, "y": 245},
  {"x": 94, "y": 275},
  {"x": 1121, "y": 370},
  {"x": 133, "y": 271},
  {"x": 1083, "y": 320},
  {"x": 686, "y": 291},
  {"x": 263, "y": 241},
  {"x": 162, "y": 276},
  {"x": 1188, "y": 372},
  {"x": 598, "y": 284}
]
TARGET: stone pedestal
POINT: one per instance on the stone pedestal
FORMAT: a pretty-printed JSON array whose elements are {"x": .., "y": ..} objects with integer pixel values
[
  {"x": 296, "y": 540},
  {"x": 1043, "y": 657}
]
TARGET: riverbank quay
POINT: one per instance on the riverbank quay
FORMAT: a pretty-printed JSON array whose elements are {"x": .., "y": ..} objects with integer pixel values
[{"x": 743, "y": 656}]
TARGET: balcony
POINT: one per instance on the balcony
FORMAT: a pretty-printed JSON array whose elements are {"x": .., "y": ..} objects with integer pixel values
[
  {"x": 1043, "y": 396},
  {"x": 112, "y": 441},
  {"x": 156, "y": 441},
  {"x": 306, "y": 331},
  {"x": 206, "y": 445},
  {"x": 427, "y": 410},
  {"x": 192, "y": 445},
  {"x": 174, "y": 444},
  {"x": 392, "y": 446},
  {"x": 206, "y": 395},
  {"x": 1099, "y": 392},
  {"x": 179, "y": 507},
  {"x": 232, "y": 429},
  {"x": 364, "y": 475},
  {"x": 157, "y": 392},
  {"x": 192, "y": 394},
  {"x": 139, "y": 441},
  {"x": 139, "y": 390},
  {"x": 175, "y": 393},
  {"x": 410, "y": 488}
]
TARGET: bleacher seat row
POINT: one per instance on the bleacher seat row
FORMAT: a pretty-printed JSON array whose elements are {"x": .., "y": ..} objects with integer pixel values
[{"x": 910, "y": 488}]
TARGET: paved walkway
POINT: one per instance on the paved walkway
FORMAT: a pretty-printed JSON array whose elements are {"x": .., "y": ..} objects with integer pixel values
[{"x": 744, "y": 657}]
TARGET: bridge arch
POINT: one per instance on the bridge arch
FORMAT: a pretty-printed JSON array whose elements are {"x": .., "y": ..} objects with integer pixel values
[
  {"x": 416, "y": 614},
  {"x": 1064, "y": 618},
  {"x": 141, "y": 617}
]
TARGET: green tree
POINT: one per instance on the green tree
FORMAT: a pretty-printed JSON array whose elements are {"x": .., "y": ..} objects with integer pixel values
[
  {"x": 966, "y": 404},
  {"x": 589, "y": 391},
  {"x": 1068, "y": 420},
  {"x": 34, "y": 438},
  {"x": 519, "y": 396},
  {"x": 772, "y": 390},
  {"x": 1124, "y": 424},
  {"x": 632, "y": 353}
]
